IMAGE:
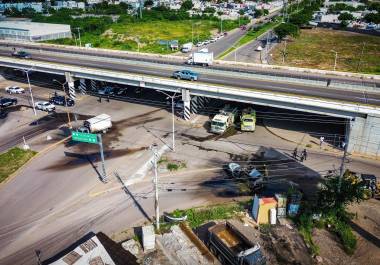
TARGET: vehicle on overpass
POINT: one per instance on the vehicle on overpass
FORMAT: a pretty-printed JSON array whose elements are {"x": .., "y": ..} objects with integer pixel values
[
  {"x": 45, "y": 106},
  {"x": 14, "y": 90},
  {"x": 100, "y": 123},
  {"x": 186, "y": 75},
  {"x": 233, "y": 245},
  {"x": 6, "y": 102},
  {"x": 248, "y": 120},
  {"x": 223, "y": 120},
  {"x": 201, "y": 58},
  {"x": 21, "y": 54},
  {"x": 62, "y": 101}
]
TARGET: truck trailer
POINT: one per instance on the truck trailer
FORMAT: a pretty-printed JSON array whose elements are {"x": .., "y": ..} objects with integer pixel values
[
  {"x": 201, "y": 58},
  {"x": 231, "y": 245},
  {"x": 100, "y": 123}
]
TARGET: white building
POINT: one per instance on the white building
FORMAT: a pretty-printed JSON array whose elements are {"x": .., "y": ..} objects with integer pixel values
[
  {"x": 32, "y": 31},
  {"x": 69, "y": 5},
  {"x": 20, "y": 6}
]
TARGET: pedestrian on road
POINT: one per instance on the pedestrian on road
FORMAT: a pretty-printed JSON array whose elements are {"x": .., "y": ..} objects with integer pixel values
[
  {"x": 100, "y": 99},
  {"x": 304, "y": 155},
  {"x": 108, "y": 98},
  {"x": 321, "y": 140},
  {"x": 295, "y": 151}
]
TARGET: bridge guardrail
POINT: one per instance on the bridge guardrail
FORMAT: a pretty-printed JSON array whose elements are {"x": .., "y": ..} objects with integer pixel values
[{"x": 215, "y": 91}]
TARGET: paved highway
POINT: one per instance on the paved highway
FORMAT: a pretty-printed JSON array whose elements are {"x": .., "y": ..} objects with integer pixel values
[
  {"x": 177, "y": 60},
  {"x": 224, "y": 78}
]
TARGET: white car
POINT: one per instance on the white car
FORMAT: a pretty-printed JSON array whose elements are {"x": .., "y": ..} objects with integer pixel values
[
  {"x": 199, "y": 44},
  {"x": 14, "y": 90},
  {"x": 45, "y": 106},
  {"x": 206, "y": 42}
]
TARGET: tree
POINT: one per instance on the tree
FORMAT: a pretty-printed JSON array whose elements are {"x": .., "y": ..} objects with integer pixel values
[
  {"x": 241, "y": 12},
  {"x": 372, "y": 17},
  {"x": 209, "y": 10},
  {"x": 187, "y": 5},
  {"x": 259, "y": 13},
  {"x": 300, "y": 18},
  {"x": 345, "y": 16},
  {"x": 285, "y": 29},
  {"x": 148, "y": 3},
  {"x": 266, "y": 12},
  {"x": 335, "y": 197}
]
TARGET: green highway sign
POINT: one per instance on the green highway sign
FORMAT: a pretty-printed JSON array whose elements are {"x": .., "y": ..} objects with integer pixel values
[{"x": 85, "y": 137}]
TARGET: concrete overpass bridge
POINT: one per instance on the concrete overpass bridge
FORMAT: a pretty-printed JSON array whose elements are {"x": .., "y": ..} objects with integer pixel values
[{"x": 358, "y": 103}]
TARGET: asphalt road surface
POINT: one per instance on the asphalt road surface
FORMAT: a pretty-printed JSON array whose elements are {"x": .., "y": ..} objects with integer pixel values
[{"x": 215, "y": 77}]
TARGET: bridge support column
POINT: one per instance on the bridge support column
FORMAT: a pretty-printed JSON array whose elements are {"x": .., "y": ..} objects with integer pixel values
[
  {"x": 70, "y": 83},
  {"x": 364, "y": 136},
  {"x": 186, "y": 104}
]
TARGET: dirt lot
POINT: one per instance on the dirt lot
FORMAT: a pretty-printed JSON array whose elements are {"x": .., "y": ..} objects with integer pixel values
[{"x": 366, "y": 227}]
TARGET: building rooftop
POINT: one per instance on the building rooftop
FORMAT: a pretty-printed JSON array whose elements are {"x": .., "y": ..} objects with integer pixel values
[{"x": 35, "y": 28}]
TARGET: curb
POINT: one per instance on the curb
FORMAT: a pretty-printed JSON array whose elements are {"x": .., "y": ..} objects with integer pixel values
[{"x": 45, "y": 150}]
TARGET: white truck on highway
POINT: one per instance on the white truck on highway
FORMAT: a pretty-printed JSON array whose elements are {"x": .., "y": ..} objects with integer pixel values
[
  {"x": 201, "y": 58},
  {"x": 223, "y": 120},
  {"x": 100, "y": 123},
  {"x": 187, "y": 47}
]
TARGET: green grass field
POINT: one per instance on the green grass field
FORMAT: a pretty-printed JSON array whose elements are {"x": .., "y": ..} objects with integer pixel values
[
  {"x": 313, "y": 49},
  {"x": 126, "y": 36},
  {"x": 12, "y": 160}
]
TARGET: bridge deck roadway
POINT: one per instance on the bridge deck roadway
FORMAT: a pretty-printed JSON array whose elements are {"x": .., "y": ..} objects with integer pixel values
[
  {"x": 179, "y": 60},
  {"x": 215, "y": 77}
]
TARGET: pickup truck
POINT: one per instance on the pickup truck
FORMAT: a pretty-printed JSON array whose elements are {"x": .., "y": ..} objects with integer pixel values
[
  {"x": 186, "y": 75},
  {"x": 21, "y": 54}
]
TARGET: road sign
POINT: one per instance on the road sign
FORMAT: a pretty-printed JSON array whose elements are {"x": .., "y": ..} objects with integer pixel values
[{"x": 85, "y": 137}]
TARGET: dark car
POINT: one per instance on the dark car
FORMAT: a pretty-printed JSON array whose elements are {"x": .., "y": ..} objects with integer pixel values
[
  {"x": 62, "y": 101},
  {"x": 6, "y": 102},
  {"x": 21, "y": 54}
]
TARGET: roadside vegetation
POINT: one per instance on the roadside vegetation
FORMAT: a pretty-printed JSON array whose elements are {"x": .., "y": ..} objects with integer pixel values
[
  {"x": 330, "y": 211},
  {"x": 124, "y": 31},
  {"x": 313, "y": 49},
  {"x": 12, "y": 160}
]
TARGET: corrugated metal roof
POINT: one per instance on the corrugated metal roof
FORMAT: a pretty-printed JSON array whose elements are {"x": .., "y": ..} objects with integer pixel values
[{"x": 35, "y": 28}]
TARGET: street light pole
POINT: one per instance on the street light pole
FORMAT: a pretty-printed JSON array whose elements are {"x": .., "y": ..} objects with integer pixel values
[
  {"x": 336, "y": 58},
  {"x": 30, "y": 90}
]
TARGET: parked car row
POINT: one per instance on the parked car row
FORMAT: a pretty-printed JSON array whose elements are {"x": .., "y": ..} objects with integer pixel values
[{"x": 212, "y": 40}]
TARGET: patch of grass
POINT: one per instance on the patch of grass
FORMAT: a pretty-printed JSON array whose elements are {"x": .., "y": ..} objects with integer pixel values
[
  {"x": 175, "y": 166},
  {"x": 163, "y": 160},
  {"x": 308, "y": 145},
  {"x": 312, "y": 49},
  {"x": 12, "y": 160}
]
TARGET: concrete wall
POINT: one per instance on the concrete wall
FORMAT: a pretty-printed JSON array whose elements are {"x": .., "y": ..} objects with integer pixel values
[{"x": 364, "y": 136}]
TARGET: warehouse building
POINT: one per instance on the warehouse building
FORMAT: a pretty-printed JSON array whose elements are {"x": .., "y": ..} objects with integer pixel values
[{"x": 32, "y": 31}]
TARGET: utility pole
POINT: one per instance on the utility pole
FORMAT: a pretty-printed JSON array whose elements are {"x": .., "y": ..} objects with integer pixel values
[
  {"x": 104, "y": 174},
  {"x": 140, "y": 8},
  {"x": 284, "y": 53},
  {"x": 192, "y": 32},
  {"x": 153, "y": 147},
  {"x": 221, "y": 24},
  {"x": 336, "y": 58},
  {"x": 67, "y": 107},
  {"x": 360, "y": 58},
  {"x": 80, "y": 41}
]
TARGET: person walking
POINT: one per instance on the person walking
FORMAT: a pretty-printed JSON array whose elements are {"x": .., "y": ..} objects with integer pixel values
[
  {"x": 295, "y": 151},
  {"x": 304, "y": 155},
  {"x": 321, "y": 140}
]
